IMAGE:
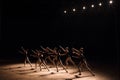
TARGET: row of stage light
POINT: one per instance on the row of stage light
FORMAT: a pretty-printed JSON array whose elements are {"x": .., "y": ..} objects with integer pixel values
[{"x": 92, "y": 6}]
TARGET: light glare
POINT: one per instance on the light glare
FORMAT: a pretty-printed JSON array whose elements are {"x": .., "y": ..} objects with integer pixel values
[
  {"x": 74, "y": 9},
  {"x": 100, "y": 4},
  {"x": 110, "y": 1},
  {"x": 84, "y": 7},
  {"x": 65, "y": 11},
  {"x": 92, "y": 5}
]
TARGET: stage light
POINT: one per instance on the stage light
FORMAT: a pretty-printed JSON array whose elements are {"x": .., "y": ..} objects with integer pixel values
[
  {"x": 100, "y": 4},
  {"x": 110, "y": 2},
  {"x": 74, "y": 9},
  {"x": 92, "y": 6},
  {"x": 84, "y": 7},
  {"x": 65, "y": 11}
]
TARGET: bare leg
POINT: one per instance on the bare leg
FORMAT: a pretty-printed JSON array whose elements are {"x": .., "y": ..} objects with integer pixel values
[
  {"x": 70, "y": 60},
  {"x": 79, "y": 68},
  {"x": 25, "y": 62},
  {"x": 56, "y": 63},
  {"x": 66, "y": 62},
  {"x": 49, "y": 58},
  {"x": 40, "y": 66},
  {"x": 36, "y": 64},
  {"x": 51, "y": 61},
  {"x": 45, "y": 65},
  {"x": 82, "y": 66},
  {"x": 29, "y": 61},
  {"x": 63, "y": 66},
  {"x": 86, "y": 65}
]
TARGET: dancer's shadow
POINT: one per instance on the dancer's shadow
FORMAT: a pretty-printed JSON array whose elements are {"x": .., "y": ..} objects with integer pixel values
[
  {"x": 11, "y": 68},
  {"x": 78, "y": 76},
  {"x": 51, "y": 73},
  {"x": 24, "y": 72},
  {"x": 48, "y": 74}
]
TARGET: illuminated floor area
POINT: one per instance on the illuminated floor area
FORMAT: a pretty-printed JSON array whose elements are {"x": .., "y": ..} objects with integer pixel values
[{"x": 19, "y": 72}]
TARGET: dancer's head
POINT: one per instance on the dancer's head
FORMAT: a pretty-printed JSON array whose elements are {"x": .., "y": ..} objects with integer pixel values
[{"x": 81, "y": 49}]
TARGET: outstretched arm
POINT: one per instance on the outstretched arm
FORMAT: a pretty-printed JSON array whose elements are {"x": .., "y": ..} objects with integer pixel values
[
  {"x": 33, "y": 55},
  {"x": 43, "y": 48},
  {"x": 50, "y": 50},
  {"x": 23, "y": 48},
  {"x": 33, "y": 51},
  {"x": 21, "y": 52},
  {"x": 62, "y": 54},
  {"x": 75, "y": 50},
  {"x": 77, "y": 53},
  {"x": 62, "y": 48}
]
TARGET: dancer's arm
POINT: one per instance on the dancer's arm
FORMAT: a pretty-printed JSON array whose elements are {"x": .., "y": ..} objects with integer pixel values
[
  {"x": 21, "y": 52},
  {"x": 33, "y": 51},
  {"x": 23, "y": 49},
  {"x": 43, "y": 48},
  {"x": 50, "y": 50},
  {"x": 75, "y": 50},
  {"x": 62, "y": 48}
]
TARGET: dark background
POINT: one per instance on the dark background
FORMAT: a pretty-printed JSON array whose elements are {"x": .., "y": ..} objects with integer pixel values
[{"x": 31, "y": 23}]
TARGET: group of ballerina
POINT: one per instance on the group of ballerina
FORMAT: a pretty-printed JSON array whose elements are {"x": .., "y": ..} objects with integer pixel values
[{"x": 54, "y": 56}]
